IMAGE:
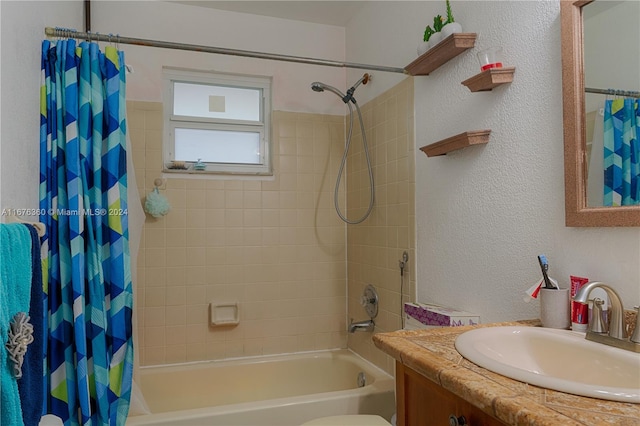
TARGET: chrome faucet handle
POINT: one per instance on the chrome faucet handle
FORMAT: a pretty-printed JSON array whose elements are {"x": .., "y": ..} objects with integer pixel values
[
  {"x": 597, "y": 323},
  {"x": 635, "y": 337}
]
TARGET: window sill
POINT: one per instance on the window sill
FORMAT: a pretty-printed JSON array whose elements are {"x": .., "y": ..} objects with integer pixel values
[{"x": 212, "y": 175}]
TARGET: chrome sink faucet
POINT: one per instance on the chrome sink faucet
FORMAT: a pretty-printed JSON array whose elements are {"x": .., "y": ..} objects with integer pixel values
[{"x": 617, "y": 334}]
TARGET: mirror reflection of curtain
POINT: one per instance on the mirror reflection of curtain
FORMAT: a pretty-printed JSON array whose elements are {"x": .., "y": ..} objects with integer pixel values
[
  {"x": 621, "y": 152},
  {"x": 595, "y": 177}
]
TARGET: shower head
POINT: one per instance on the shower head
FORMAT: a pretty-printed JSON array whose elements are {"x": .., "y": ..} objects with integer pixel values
[{"x": 321, "y": 87}]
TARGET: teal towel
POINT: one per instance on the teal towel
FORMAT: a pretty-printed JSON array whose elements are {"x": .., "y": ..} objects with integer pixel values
[
  {"x": 31, "y": 385},
  {"x": 15, "y": 295}
]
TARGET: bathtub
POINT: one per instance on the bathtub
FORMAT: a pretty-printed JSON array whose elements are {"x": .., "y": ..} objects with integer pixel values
[{"x": 278, "y": 390}]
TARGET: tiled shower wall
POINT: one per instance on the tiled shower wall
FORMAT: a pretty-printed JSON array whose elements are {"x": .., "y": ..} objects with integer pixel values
[
  {"x": 276, "y": 247},
  {"x": 375, "y": 247}
]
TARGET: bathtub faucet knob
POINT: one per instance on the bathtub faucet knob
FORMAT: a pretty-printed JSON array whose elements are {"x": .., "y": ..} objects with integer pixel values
[{"x": 364, "y": 300}]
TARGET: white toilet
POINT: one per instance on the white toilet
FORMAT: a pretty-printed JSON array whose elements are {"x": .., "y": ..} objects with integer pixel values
[
  {"x": 50, "y": 420},
  {"x": 349, "y": 420}
]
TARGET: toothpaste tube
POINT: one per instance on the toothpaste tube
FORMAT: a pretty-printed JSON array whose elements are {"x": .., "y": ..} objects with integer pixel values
[{"x": 579, "y": 311}]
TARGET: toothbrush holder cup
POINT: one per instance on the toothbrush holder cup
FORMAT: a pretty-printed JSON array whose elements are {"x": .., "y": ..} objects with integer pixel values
[{"x": 554, "y": 308}]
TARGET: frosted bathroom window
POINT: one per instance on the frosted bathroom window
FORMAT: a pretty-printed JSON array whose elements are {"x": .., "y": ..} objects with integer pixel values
[
  {"x": 217, "y": 146},
  {"x": 221, "y": 119},
  {"x": 204, "y": 100}
]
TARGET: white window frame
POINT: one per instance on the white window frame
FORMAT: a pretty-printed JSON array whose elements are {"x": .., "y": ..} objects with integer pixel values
[{"x": 263, "y": 126}]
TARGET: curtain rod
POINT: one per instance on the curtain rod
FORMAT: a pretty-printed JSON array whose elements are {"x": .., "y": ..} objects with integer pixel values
[
  {"x": 614, "y": 92},
  {"x": 70, "y": 33}
]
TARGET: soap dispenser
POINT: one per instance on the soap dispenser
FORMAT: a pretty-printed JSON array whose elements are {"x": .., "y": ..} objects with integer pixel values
[{"x": 199, "y": 165}]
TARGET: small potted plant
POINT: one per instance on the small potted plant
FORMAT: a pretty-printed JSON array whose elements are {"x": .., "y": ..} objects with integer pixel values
[
  {"x": 436, "y": 37},
  {"x": 426, "y": 43},
  {"x": 450, "y": 27}
]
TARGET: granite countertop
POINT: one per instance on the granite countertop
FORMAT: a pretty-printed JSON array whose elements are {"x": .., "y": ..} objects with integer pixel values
[{"x": 432, "y": 353}]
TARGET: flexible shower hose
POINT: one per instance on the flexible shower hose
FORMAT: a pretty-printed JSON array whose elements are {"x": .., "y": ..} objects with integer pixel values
[{"x": 343, "y": 163}]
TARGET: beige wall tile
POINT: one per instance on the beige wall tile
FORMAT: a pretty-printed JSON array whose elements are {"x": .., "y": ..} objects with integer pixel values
[
  {"x": 375, "y": 247},
  {"x": 155, "y": 297},
  {"x": 154, "y": 276},
  {"x": 268, "y": 244},
  {"x": 175, "y": 354}
]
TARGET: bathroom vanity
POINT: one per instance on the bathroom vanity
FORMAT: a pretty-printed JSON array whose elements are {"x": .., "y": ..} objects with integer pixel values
[
  {"x": 435, "y": 385},
  {"x": 438, "y": 408}
]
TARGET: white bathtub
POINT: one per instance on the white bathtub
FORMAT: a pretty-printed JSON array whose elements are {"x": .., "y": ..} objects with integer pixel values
[{"x": 278, "y": 390}]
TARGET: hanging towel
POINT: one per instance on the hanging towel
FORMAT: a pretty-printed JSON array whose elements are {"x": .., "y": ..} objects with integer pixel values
[
  {"x": 30, "y": 385},
  {"x": 15, "y": 289}
]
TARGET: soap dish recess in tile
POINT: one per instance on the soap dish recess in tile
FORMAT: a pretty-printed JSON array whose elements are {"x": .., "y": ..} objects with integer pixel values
[{"x": 223, "y": 313}]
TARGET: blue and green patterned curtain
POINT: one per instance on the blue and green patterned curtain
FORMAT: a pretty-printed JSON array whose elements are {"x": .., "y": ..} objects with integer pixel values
[
  {"x": 621, "y": 152},
  {"x": 83, "y": 193}
]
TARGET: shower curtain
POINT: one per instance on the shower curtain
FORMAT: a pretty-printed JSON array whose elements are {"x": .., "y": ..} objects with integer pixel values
[
  {"x": 83, "y": 202},
  {"x": 621, "y": 152}
]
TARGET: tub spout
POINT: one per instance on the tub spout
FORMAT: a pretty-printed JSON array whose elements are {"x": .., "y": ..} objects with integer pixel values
[{"x": 367, "y": 325}]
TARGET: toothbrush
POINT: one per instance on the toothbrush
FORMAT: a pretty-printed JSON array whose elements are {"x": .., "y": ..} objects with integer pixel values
[{"x": 544, "y": 266}]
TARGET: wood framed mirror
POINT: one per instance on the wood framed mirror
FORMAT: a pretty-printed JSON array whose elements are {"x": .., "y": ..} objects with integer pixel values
[{"x": 577, "y": 212}]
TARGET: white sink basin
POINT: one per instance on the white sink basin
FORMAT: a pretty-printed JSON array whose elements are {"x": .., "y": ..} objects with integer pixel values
[{"x": 555, "y": 359}]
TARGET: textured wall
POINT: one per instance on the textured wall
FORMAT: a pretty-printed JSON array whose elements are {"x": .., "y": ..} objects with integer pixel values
[{"x": 486, "y": 212}]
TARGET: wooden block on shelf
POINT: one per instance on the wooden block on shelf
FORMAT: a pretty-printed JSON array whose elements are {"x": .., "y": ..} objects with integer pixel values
[
  {"x": 441, "y": 53},
  {"x": 489, "y": 79},
  {"x": 463, "y": 140}
]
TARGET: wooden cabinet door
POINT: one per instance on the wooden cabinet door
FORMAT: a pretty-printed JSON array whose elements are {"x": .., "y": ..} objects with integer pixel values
[{"x": 421, "y": 402}]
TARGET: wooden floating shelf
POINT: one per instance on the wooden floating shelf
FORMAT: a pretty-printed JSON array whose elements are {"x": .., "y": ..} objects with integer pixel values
[
  {"x": 441, "y": 53},
  {"x": 463, "y": 140},
  {"x": 489, "y": 79}
]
